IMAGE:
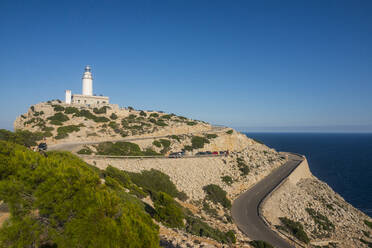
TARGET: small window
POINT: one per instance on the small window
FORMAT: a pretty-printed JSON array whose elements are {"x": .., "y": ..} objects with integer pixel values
[
  {"x": 85, "y": 101},
  {"x": 78, "y": 101},
  {"x": 97, "y": 102}
]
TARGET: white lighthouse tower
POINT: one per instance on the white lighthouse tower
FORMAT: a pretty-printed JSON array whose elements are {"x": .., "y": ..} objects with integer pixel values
[
  {"x": 86, "y": 98},
  {"x": 87, "y": 81}
]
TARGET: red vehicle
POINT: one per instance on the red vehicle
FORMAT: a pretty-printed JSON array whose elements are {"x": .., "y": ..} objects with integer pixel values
[{"x": 215, "y": 153}]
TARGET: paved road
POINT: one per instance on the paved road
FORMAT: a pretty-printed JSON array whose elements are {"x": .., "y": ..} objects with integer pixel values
[
  {"x": 245, "y": 208},
  {"x": 72, "y": 145}
]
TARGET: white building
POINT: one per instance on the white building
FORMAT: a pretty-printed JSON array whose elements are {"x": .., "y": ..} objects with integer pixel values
[{"x": 87, "y": 97}]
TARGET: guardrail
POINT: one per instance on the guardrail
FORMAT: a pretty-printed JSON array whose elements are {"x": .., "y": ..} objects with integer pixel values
[
  {"x": 213, "y": 130},
  {"x": 144, "y": 157},
  {"x": 261, "y": 203}
]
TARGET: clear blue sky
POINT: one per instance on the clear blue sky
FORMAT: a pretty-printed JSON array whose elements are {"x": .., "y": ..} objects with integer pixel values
[{"x": 258, "y": 65}]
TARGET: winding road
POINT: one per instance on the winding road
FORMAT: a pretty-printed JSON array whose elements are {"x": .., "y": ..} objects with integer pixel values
[
  {"x": 245, "y": 209},
  {"x": 69, "y": 146}
]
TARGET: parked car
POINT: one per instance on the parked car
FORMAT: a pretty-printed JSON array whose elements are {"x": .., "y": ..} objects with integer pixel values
[
  {"x": 200, "y": 154},
  {"x": 42, "y": 146},
  {"x": 215, "y": 153},
  {"x": 208, "y": 152},
  {"x": 175, "y": 155}
]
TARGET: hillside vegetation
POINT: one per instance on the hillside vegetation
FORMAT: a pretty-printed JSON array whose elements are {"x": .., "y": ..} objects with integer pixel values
[
  {"x": 57, "y": 121},
  {"x": 59, "y": 201}
]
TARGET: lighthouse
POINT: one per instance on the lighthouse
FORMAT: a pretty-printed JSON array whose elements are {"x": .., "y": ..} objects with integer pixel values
[
  {"x": 86, "y": 98},
  {"x": 87, "y": 82}
]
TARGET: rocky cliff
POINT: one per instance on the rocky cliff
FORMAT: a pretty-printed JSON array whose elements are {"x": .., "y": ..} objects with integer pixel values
[{"x": 327, "y": 219}]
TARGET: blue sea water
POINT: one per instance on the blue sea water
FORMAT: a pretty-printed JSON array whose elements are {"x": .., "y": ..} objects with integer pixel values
[{"x": 343, "y": 161}]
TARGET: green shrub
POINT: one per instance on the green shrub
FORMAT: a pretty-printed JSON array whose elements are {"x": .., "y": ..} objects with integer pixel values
[
  {"x": 85, "y": 151},
  {"x": 243, "y": 167},
  {"x": 60, "y": 117},
  {"x": 154, "y": 115},
  {"x": 124, "y": 180},
  {"x": 260, "y": 244},
  {"x": 227, "y": 179},
  {"x": 32, "y": 108},
  {"x": 119, "y": 149},
  {"x": 244, "y": 170},
  {"x": 113, "y": 116},
  {"x": 61, "y": 136},
  {"x": 198, "y": 227},
  {"x": 101, "y": 119},
  {"x": 87, "y": 114},
  {"x": 167, "y": 117},
  {"x": 369, "y": 244},
  {"x": 191, "y": 123},
  {"x": 65, "y": 130},
  {"x": 188, "y": 148},
  {"x": 168, "y": 211},
  {"x": 47, "y": 134},
  {"x": 210, "y": 211},
  {"x": 55, "y": 122},
  {"x": 165, "y": 143},
  {"x": 71, "y": 110},
  {"x": 295, "y": 228},
  {"x": 102, "y": 110},
  {"x": 211, "y": 136},
  {"x": 217, "y": 195},
  {"x": 113, "y": 125},
  {"x": 152, "y": 120},
  {"x": 30, "y": 121},
  {"x": 124, "y": 123},
  {"x": 38, "y": 113},
  {"x": 58, "y": 108},
  {"x": 132, "y": 117},
  {"x": 230, "y": 131},
  {"x": 68, "y": 197},
  {"x": 162, "y": 143},
  {"x": 123, "y": 133},
  {"x": 142, "y": 113},
  {"x": 320, "y": 220},
  {"x": 92, "y": 134},
  {"x": 198, "y": 142},
  {"x": 161, "y": 123},
  {"x": 368, "y": 223},
  {"x": 156, "y": 143},
  {"x": 155, "y": 181},
  {"x": 130, "y": 108},
  {"x": 47, "y": 129},
  {"x": 21, "y": 137},
  {"x": 150, "y": 152}
]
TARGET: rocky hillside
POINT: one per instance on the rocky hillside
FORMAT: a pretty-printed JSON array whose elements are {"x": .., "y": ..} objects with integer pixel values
[
  {"x": 197, "y": 177},
  {"x": 309, "y": 211},
  {"x": 59, "y": 122}
]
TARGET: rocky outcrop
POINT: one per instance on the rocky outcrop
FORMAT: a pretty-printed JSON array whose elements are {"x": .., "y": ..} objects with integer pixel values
[
  {"x": 326, "y": 217},
  {"x": 101, "y": 124}
]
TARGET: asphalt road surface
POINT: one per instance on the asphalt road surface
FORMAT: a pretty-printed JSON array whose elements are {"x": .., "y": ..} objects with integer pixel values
[
  {"x": 73, "y": 145},
  {"x": 245, "y": 208}
]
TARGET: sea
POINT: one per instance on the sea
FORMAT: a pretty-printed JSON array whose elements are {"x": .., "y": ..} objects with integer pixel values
[{"x": 343, "y": 161}]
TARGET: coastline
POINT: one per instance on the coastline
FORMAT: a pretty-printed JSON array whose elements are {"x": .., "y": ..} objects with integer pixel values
[
  {"x": 341, "y": 160},
  {"x": 296, "y": 193}
]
